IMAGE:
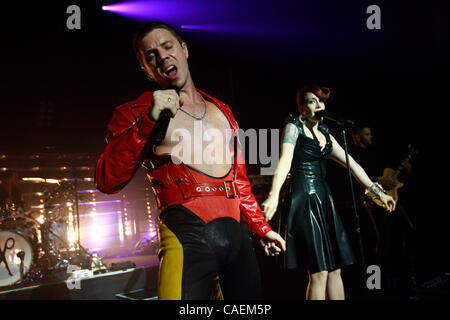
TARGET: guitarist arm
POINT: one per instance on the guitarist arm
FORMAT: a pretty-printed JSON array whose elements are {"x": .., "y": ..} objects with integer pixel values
[
  {"x": 389, "y": 180},
  {"x": 338, "y": 155}
]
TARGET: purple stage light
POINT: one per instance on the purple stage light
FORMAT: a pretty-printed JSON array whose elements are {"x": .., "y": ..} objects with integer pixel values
[
  {"x": 206, "y": 27},
  {"x": 171, "y": 11},
  {"x": 274, "y": 22},
  {"x": 227, "y": 17},
  {"x": 134, "y": 9},
  {"x": 235, "y": 29}
]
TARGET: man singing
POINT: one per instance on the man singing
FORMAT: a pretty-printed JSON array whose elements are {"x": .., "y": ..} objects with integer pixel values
[{"x": 207, "y": 207}]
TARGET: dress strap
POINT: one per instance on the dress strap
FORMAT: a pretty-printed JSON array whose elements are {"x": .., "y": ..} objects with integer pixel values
[{"x": 324, "y": 128}]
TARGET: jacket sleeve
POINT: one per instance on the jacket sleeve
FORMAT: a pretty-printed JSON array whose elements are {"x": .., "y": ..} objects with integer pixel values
[
  {"x": 250, "y": 208},
  {"x": 126, "y": 138}
]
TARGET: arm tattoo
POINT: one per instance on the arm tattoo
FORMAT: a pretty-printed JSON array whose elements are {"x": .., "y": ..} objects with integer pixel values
[{"x": 290, "y": 134}]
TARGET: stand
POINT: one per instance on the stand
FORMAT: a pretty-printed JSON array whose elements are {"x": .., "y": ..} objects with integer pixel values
[
  {"x": 52, "y": 260},
  {"x": 77, "y": 212},
  {"x": 78, "y": 259},
  {"x": 355, "y": 211}
]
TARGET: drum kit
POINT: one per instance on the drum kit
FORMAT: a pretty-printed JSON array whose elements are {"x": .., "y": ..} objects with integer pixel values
[{"x": 33, "y": 245}]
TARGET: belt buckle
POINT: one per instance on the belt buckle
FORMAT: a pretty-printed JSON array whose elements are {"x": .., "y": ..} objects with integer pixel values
[{"x": 226, "y": 189}]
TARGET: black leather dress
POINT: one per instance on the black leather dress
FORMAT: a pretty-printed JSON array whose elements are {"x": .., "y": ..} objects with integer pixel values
[{"x": 315, "y": 236}]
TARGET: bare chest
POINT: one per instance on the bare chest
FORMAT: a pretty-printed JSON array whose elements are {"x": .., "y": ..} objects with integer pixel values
[{"x": 203, "y": 144}]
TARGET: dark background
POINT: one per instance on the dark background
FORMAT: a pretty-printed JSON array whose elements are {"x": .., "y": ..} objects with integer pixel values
[{"x": 59, "y": 87}]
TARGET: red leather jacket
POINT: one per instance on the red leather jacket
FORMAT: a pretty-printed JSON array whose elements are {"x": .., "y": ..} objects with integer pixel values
[{"x": 126, "y": 150}]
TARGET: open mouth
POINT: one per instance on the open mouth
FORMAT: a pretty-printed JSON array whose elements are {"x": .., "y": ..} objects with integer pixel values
[
  {"x": 316, "y": 116},
  {"x": 170, "y": 72}
]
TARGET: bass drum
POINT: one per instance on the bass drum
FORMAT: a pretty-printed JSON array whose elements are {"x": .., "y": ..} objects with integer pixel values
[{"x": 16, "y": 257}]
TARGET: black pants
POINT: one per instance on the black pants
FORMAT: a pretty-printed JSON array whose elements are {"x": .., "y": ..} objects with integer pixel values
[{"x": 194, "y": 253}]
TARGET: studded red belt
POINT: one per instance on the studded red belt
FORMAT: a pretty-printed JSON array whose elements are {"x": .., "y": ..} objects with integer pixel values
[
  {"x": 226, "y": 188},
  {"x": 187, "y": 184}
]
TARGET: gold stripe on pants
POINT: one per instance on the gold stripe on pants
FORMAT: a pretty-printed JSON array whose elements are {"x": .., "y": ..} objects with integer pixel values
[{"x": 171, "y": 265}]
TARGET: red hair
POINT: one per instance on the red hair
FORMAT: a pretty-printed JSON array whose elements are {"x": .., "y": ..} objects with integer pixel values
[{"x": 323, "y": 93}]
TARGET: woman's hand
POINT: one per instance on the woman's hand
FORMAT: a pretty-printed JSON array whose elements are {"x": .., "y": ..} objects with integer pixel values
[
  {"x": 388, "y": 202},
  {"x": 270, "y": 207}
]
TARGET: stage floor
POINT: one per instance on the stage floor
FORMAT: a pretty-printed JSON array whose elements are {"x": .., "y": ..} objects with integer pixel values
[
  {"x": 136, "y": 283},
  {"x": 139, "y": 282}
]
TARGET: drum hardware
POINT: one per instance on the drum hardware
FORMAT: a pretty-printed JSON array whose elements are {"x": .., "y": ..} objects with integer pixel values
[
  {"x": 49, "y": 257},
  {"x": 146, "y": 246},
  {"x": 22, "y": 257},
  {"x": 97, "y": 264},
  {"x": 52, "y": 259},
  {"x": 82, "y": 256}
]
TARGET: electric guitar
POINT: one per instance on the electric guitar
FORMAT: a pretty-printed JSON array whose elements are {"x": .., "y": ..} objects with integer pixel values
[{"x": 391, "y": 174}]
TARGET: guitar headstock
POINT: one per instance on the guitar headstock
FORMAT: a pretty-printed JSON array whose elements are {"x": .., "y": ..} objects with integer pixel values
[{"x": 412, "y": 151}]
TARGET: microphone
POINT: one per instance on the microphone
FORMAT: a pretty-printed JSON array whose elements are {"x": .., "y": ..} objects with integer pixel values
[
  {"x": 160, "y": 129},
  {"x": 335, "y": 118}
]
